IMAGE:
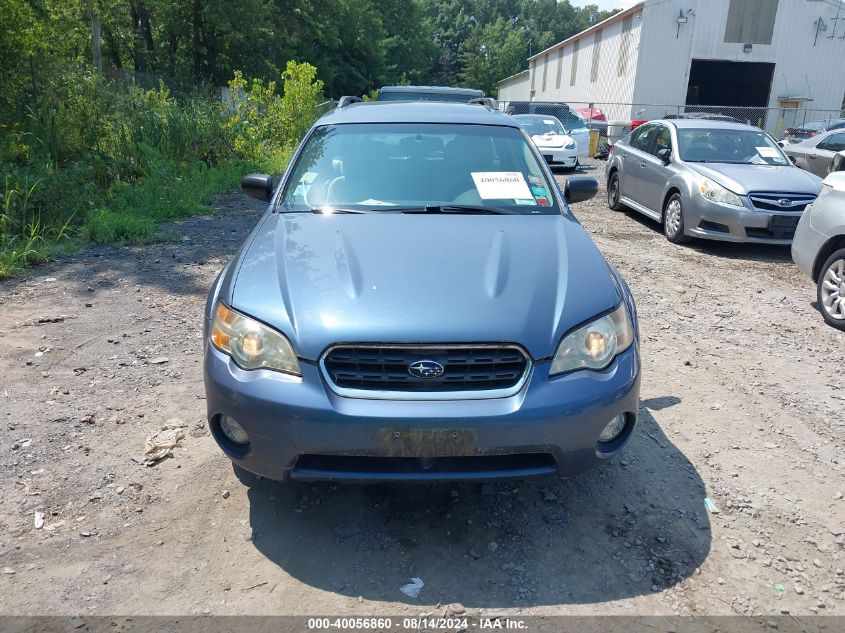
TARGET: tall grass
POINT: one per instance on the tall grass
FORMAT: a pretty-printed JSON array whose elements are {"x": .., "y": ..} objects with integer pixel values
[{"x": 105, "y": 161}]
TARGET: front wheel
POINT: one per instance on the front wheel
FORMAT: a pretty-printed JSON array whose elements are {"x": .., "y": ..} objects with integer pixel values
[
  {"x": 831, "y": 290},
  {"x": 673, "y": 220},
  {"x": 613, "y": 193}
]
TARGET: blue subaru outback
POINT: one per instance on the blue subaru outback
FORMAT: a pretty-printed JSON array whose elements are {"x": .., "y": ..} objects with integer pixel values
[{"x": 418, "y": 303}]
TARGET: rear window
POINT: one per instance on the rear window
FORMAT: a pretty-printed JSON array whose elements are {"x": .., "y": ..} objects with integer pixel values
[
  {"x": 425, "y": 96},
  {"x": 375, "y": 166}
]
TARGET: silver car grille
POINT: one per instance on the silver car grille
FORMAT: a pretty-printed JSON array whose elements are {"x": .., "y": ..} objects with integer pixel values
[{"x": 780, "y": 201}]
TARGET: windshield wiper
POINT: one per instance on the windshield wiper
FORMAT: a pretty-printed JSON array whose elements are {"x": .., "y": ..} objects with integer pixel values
[
  {"x": 458, "y": 209},
  {"x": 333, "y": 210}
]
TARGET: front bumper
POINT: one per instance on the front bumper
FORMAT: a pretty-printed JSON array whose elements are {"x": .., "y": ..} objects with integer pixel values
[
  {"x": 559, "y": 157},
  {"x": 713, "y": 221},
  {"x": 300, "y": 429}
]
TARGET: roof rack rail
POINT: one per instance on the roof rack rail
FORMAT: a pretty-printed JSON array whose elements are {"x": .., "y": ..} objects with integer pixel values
[
  {"x": 346, "y": 100},
  {"x": 487, "y": 102}
]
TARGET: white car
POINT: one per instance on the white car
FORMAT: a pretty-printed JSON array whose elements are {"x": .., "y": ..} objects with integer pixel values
[{"x": 557, "y": 147}]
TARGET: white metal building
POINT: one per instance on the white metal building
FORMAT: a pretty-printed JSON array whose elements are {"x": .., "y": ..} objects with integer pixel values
[{"x": 761, "y": 53}]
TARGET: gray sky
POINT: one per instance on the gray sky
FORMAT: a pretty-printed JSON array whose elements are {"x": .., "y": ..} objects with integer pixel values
[{"x": 607, "y": 4}]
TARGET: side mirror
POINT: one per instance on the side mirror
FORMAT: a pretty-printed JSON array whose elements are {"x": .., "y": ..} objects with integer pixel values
[
  {"x": 665, "y": 155},
  {"x": 792, "y": 158},
  {"x": 580, "y": 188},
  {"x": 258, "y": 186}
]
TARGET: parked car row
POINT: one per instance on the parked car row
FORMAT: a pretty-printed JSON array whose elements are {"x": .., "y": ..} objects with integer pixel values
[
  {"x": 796, "y": 134},
  {"x": 733, "y": 182}
]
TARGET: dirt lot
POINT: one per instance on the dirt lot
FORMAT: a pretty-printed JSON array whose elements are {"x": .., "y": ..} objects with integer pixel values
[{"x": 742, "y": 402}]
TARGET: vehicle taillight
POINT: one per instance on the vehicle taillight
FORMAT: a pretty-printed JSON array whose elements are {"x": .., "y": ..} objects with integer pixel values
[
  {"x": 813, "y": 133},
  {"x": 611, "y": 150}
]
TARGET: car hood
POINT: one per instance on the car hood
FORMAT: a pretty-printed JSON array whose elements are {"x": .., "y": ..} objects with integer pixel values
[
  {"x": 743, "y": 179},
  {"x": 394, "y": 278}
]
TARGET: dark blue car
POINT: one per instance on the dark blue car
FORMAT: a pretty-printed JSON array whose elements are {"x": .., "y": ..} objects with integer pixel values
[{"x": 418, "y": 303}]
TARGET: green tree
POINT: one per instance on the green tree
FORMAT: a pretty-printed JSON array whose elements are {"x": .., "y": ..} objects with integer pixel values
[{"x": 492, "y": 52}]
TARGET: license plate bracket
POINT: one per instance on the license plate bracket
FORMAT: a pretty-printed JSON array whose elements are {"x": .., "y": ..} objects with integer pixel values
[
  {"x": 427, "y": 442},
  {"x": 783, "y": 222}
]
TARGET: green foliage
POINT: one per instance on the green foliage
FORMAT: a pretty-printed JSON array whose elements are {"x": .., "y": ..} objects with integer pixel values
[
  {"x": 491, "y": 53},
  {"x": 266, "y": 126},
  {"x": 102, "y": 148},
  {"x": 105, "y": 160}
]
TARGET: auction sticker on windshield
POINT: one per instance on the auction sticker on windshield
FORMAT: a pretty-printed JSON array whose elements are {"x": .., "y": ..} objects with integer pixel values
[
  {"x": 501, "y": 185},
  {"x": 768, "y": 152}
]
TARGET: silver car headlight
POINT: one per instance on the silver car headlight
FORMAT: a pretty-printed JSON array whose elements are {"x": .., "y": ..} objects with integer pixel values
[
  {"x": 595, "y": 345},
  {"x": 714, "y": 192},
  {"x": 252, "y": 345}
]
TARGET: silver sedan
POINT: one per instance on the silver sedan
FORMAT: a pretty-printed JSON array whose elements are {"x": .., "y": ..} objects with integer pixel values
[
  {"x": 709, "y": 179},
  {"x": 816, "y": 153},
  {"x": 819, "y": 248}
]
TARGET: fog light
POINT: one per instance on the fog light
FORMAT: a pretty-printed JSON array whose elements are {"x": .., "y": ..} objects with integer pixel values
[
  {"x": 613, "y": 429},
  {"x": 233, "y": 431}
]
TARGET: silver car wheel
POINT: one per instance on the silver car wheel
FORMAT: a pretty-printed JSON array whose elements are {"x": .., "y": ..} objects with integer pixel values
[
  {"x": 673, "y": 217},
  {"x": 833, "y": 290}
]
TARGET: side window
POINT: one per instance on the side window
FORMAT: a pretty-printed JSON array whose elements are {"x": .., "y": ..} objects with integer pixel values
[
  {"x": 823, "y": 143},
  {"x": 836, "y": 143},
  {"x": 641, "y": 137},
  {"x": 662, "y": 139}
]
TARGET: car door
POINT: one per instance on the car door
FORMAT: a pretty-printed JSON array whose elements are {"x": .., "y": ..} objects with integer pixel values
[
  {"x": 819, "y": 161},
  {"x": 633, "y": 155},
  {"x": 655, "y": 173}
]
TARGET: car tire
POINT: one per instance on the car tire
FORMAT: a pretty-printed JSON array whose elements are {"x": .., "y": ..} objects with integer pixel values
[
  {"x": 613, "y": 193},
  {"x": 831, "y": 290},
  {"x": 673, "y": 220}
]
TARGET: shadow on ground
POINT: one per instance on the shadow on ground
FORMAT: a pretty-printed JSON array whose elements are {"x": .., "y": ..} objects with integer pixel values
[{"x": 631, "y": 528}]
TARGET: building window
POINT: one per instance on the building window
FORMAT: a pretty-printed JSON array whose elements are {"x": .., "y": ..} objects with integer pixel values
[
  {"x": 594, "y": 71},
  {"x": 559, "y": 66},
  {"x": 625, "y": 44},
  {"x": 751, "y": 21},
  {"x": 545, "y": 70},
  {"x": 574, "y": 72}
]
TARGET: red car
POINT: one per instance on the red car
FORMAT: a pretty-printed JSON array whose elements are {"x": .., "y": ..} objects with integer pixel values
[{"x": 592, "y": 114}]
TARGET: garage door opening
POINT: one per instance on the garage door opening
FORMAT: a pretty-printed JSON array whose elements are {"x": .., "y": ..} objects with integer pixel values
[{"x": 719, "y": 83}]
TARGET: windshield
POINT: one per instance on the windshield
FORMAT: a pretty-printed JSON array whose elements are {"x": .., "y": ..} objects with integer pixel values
[
  {"x": 717, "y": 145},
  {"x": 449, "y": 97},
  {"x": 376, "y": 166},
  {"x": 537, "y": 126}
]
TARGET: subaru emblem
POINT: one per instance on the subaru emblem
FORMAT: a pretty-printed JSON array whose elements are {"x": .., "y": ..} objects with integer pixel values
[
  {"x": 426, "y": 369},
  {"x": 785, "y": 202}
]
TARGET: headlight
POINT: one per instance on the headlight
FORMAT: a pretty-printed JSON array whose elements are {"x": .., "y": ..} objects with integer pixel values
[
  {"x": 715, "y": 192},
  {"x": 570, "y": 145},
  {"x": 252, "y": 345},
  {"x": 826, "y": 189},
  {"x": 596, "y": 344}
]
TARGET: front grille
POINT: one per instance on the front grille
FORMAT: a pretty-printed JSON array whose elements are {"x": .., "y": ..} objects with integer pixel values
[
  {"x": 769, "y": 201},
  {"x": 466, "y": 368}
]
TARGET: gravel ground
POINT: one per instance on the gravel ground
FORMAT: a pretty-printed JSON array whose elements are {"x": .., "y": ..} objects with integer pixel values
[{"x": 742, "y": 402}]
